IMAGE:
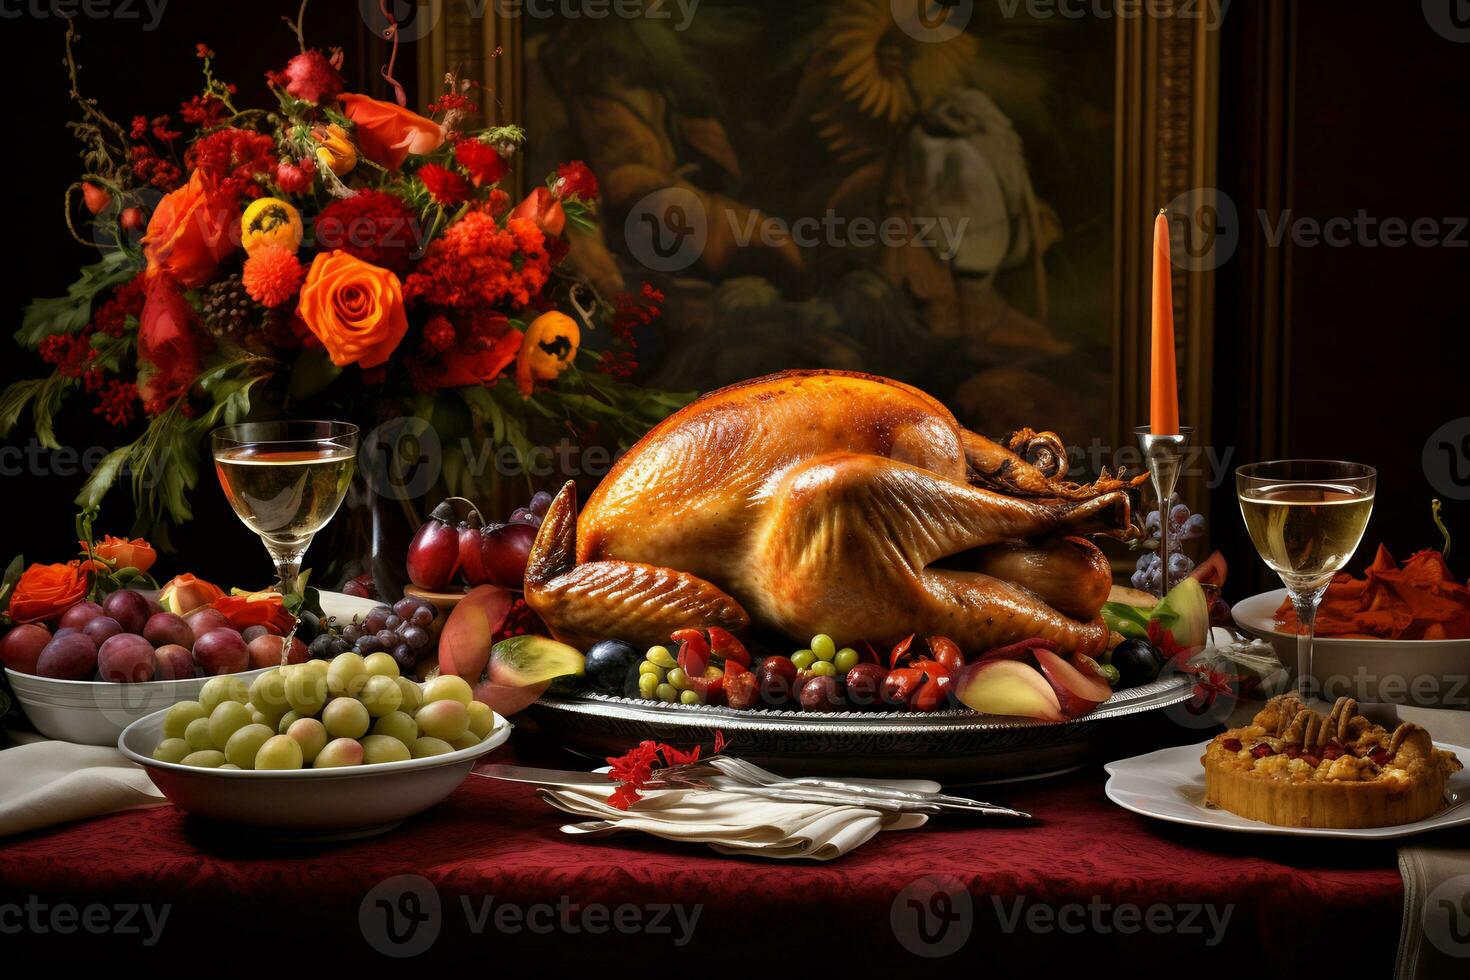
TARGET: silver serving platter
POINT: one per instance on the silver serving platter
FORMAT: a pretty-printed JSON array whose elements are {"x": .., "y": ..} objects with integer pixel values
[{"x": 957, "y": 745}]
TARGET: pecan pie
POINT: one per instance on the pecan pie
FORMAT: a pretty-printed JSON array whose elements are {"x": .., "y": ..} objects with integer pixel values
[{"x": 1294, "y": 768}]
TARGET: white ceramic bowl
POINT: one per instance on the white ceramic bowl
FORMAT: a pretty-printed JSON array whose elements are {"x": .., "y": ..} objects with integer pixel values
[
  {"x": 96, "y": 712},
  {"x": 1427, "y": 673},
  {"x": 302, "y": 804}
]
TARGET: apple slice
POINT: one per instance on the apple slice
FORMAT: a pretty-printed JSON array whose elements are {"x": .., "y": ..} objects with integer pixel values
[
  {"x": 464, "y": 643},
  {"x": 1076, "y": 692},
  {"x": 1008, "y": 687},
  {"x": 1022, "y": 650},
  {"x": 508, "y": 700}
]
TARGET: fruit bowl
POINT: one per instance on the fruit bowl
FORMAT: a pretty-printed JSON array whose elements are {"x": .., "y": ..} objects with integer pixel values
[
  {"x": 307, "y": 804},
  {"x": 956, "y": 745},
  {"x": 96, "y": 712}
]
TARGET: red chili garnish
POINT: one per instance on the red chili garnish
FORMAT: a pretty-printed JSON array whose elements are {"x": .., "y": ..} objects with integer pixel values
[
  {"x": 725, "y": 646},
  {"x": 900, "y": 650},
  {"x": 693, "y": 651},
  {"x": 946, "y": 652},
  {"x": 1231, "y": 745}
]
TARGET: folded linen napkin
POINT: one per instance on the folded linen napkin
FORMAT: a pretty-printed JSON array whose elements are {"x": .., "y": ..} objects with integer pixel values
[
  {"x": 44, "y": 783},
  {"x": 736, "y": 823},
  {"x": 1435, "y": 939}
]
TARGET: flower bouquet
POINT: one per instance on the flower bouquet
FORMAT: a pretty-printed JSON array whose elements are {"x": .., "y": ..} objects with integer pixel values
[{"x": 332, "y": 255}]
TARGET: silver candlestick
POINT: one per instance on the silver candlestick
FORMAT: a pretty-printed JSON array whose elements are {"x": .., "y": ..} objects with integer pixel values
[{"x": 1164, "y": 454}]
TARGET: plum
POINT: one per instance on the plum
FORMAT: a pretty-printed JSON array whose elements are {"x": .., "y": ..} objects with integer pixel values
[
  {"x": 164, "y": 628},
  {"x": 608, "y": 664},
  {"x": 173, "y": 662},
  {"x": 102, "y": 628},
  {"x": 126, "y": 658},
  {"x": 204, "y": 619},
  {"x": 129, "y": 608},
  {"x": 76, "y": 617},
  {"x": 221, "y": 651},
  {"x": 23, "y": 645},
  {"x": 69, "y": 658},
  {"x": 265, "y": 651}
]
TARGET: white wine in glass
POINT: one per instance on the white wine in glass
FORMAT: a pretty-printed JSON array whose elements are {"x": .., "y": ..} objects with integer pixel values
[
  {"x": 285, "y": 481},
  {"x": 1306, "y": 518}
]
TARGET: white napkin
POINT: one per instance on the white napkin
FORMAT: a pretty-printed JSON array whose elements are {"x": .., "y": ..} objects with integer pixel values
[
  {"x": 735, "y": 823},
  {"x": 44, "y": 783}
]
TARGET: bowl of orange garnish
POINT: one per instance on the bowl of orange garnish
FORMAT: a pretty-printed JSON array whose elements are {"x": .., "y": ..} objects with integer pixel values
[{"x": 1399, "y": 633}]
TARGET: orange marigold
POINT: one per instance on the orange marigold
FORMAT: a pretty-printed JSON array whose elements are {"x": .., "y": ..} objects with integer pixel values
[
  {"x": 478, "y": 264},
  {"x": 272, "y": 275}
]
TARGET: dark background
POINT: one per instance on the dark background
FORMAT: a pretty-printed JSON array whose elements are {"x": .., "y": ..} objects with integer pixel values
[{"x": 1326, "y": 109}]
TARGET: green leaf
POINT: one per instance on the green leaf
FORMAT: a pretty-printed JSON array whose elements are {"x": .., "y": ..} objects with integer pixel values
[
  {"x": 44, "y": 397},
  {"x": 7, "y": 585},
  {"x": 312, "y": 372},
  {"x": 70, "y": 313},
  {"x": 103, "y": 477}
]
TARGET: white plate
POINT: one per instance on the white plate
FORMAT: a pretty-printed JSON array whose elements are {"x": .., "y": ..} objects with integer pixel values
[
  {"x": 1170, "y": 785},
  {"x": 307, "y": 804},
  {"x": 96, "y": 712},
  {"x": 1428, "y": 673}
]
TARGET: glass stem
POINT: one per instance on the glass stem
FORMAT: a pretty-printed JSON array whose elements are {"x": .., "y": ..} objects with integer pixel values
[
  {"x": 1163, "y": 547},
  {"x": 1305, "y": 604},
  {"x": 288, "y": 565}
]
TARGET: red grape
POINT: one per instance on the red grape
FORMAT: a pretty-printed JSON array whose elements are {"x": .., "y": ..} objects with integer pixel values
[
  {"x": 221, "y": 651},
  {"x": 265, "y": 651},
  {"x": 23, "y": 645},
  {"x": 102, "y": 628},
  {"x": 129, "y": 608},
  {"x": 76, "y": 617},
  {"x": 206, "y": 618},
  {"x": 540, "y": 503},
  {"x": 172, "y": 663},
  {"x": 125, "y": 659},
  {"x": 164, "y": 628},
  {"x": 70, "y": 658}
]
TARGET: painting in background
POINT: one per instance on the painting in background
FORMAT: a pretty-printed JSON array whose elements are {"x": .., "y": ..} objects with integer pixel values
[{"x": 825, "y": 185}]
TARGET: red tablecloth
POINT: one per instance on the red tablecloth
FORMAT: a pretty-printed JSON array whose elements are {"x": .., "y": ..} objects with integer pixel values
[{"x": 1090, "y": 886}]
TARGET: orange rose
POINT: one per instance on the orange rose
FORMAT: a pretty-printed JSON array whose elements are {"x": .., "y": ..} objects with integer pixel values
[
  {"x": 354, "y": 308},
  {"x": 387, "y": 133},
  {"x": 123, "y": 553},
  {"x": 544, "y": 210},
  {"x": 185, "y": 593},
  {"x": 44, "y": 592},
  {"x": 190, "y": 232},
  {"x": 256, "y": 609},
  {"x": 458, "y": 370}
]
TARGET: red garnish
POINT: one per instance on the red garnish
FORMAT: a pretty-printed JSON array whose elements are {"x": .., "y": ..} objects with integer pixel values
[
  {"x": 1332, "y": 752},
  {"x": 1262, "y": 750},
  {"x": 1292, "y": 751},
  {"x": 1312, "y": 760},
  {"x": 1381, "y": 757},
  {"x": 1231, "y": 745},
  {"x": 635, "y": 769}
]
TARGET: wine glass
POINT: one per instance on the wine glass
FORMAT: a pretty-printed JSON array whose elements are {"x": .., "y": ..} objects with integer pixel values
[
  {"x": 1306, "y": 518},
  {"x": 285, "y": 481}
]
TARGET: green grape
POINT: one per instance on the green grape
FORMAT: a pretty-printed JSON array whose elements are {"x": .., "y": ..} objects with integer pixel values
[
  {"x": 465, "y": 741},
  {"x": 230, "y": 766},
  {"x": 482, "y": 719},
  {"x": 662, "y": 657},
  {"x": 424, "y": 747},
  {"x": 690, "y": 697},
  {"x": 172, "y": 750},
  {"x": 346, "y": 718},
  {"x": 648, "y": 685},
  {"x": 179, "y": 716},
  {"x": 822, "y": 668},
  {"x": 306, "y": 691},
  {"x": 204, "y": 759},
  {"x": 802, "y": 659},
  {"x": 677, "y": 679},
  {"x": 667, "y": 692},
  {"x": 448, "y": 687},
  {"x": 647, "y": 669},
  {"x": 345, "y": 675},
  {"x": 219, "y": 689},
  {"x": 380, "y": 664},
  {"x": 245, "y": 743},
  {"x": 847, "y": 658},
  {"x": 339, "y": 752},
  {"x": 287, "y": 720},
  {"x": 413, "y": 694},
  {"x": 380, "y": 695},
  {"x": 197, "y": 735},
  {"x": 823, "y": 646},
  {"x": 311, "y": 735},
  {"x": 381, "y": 748},
  {"x": 397, "y": 725},
  {"x": 443, "y": 719},
  {"x": 1110, "y": 674},
  {"x": 268, "y": 694},
  {"x": 279, "y": 752},
  {"x": 226, "y": 720}
]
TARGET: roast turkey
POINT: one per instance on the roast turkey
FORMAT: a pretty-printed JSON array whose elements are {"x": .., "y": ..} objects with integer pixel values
[{"x": 830, "y": 502}]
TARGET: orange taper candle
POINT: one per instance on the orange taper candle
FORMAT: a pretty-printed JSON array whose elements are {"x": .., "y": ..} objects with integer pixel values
[{"x": 1164, "y": 389}]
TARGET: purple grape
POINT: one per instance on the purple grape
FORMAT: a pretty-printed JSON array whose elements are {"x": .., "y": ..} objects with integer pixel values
[
  {"x": 373, "y": 621},
  {"x": 404, "y": 607},
  {"x": 416, "y": 637},
  {"x": 351, "y": 633},
  {"x": 405, "y": 658},
  {"x": 387, "y": 639},
  {"x": 540, "y": 503},
  {"x": 523, "y": 515},
  {"x": 368, "y": 644},
  {"x": 393, "y": 622},
  {"x": 423, "y": 616}
]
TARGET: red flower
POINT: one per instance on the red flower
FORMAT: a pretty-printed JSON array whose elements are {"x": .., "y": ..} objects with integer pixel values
[
  {"x": 574, "y": 179},
  {"x": 481, "y": 161},
  {"x": 190, "y": 232},
  {"x": 373, "y": 226},
  {"x": 256, "y": 609},
  {"x": 472, "y": 368},
  {"x": 70, "y": 354},
  {"x": 476, "y": 264},
  {"x": 44, "y": 592},
  {"x": 311, "y": 77},
  {"x": 204, "y": 111},
  {"x": 126, "y": 300},
  {"x": 232, "y": 159},
  {"x": 444, "y": 185},
  {"x": 168, "y": 345},
  {"x": 438, "y": 335},
  {"x": 117, "y": 402},
  {"x": 295, "y": 178},
  {"x": 388, "y": 133}
]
